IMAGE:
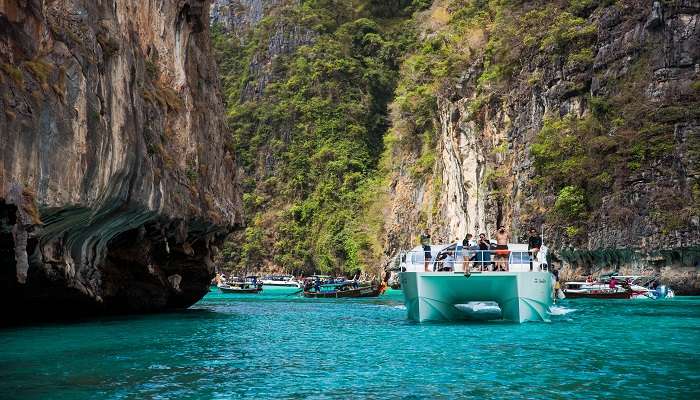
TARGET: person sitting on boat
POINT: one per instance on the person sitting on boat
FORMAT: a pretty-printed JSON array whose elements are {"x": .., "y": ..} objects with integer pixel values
[
  {"x": 589, "y": 280},
  {"x": 534, "y": 242},
  {"x": 425, "y": 242},
  {"x": 440, "y": 261},
  {"x": 502, "y": 248},
  {"x": 613, "y": 283},
  {"x": 449, "y": 262},
  {"x": 627, "y": 283}
]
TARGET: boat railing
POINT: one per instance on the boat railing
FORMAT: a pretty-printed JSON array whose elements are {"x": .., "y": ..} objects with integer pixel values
[{"x": 463, "y": 260}]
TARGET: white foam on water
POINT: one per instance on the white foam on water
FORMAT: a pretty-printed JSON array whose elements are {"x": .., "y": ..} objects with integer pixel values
[
  {"x": 480, "y": 309},
  {"x": 560, "y": 310}
]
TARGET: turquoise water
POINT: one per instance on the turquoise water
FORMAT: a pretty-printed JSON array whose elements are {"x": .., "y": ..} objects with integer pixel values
[{"x": 276, "y": 346}]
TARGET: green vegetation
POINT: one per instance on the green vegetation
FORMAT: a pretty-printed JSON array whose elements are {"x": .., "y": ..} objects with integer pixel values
[
  {"x": 310, "y": 126},
  {"x": 14, "y": 73},
  {"x": 313, "y": 137},
  {"x": 571, "y": 202},
  {"x": 41, "y": 71}
]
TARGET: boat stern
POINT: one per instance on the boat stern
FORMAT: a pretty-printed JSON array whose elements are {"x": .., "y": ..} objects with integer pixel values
[{"x": 436, "y": 296}]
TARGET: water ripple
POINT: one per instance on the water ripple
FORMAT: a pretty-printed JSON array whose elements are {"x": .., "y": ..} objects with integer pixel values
[{"x": 278, "y": 346}]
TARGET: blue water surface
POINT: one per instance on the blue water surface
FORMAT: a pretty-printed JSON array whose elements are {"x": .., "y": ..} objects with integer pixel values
[{"x": 278, "y": 346}]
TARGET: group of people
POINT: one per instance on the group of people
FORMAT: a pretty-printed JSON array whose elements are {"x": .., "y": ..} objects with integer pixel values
[{"x": 478, "y": 252}]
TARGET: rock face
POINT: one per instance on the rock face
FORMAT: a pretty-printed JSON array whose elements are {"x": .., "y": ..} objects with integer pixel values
[
  {"x": 241, "y": 16},
  {"x": 114, "y": 179},
  {"x": 281, "y": 35},
  {"x": 484, "y": 172}
]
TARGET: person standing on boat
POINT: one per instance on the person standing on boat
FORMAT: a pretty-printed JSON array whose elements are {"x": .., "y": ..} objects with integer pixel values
[
  {"x": 483, "y": 255},
  {"x": 534, "y": 242},
  {"x": 502, "y": 248},
  {"x": 556, "y": 286},
  {"x": 425, "y": 242},
  {"x": 469, "y": 256}
]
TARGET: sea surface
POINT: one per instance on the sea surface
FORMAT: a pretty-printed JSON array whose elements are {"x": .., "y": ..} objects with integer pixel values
[{"x": 275, "y": 345}]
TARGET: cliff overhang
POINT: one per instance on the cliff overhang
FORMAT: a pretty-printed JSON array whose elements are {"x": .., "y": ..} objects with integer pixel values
[{"x": 115, "y": 181}]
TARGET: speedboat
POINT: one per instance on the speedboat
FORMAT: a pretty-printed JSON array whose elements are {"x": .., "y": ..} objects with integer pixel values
[
  {"x": 281, "y": 281},
  {"x": 457, "y": 278},
  {"x": 625, "y": 287},
  {"x": 249, "y": 284}
]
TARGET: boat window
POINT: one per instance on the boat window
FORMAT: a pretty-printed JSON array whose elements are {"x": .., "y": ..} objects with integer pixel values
[
  {"x": 417, "y": 257},
  {"x": 519, "y": 257}
]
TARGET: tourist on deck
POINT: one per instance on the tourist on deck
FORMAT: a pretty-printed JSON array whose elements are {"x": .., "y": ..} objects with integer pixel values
[
  {"x": 613, "y": 283},
  {"x": 483, "y": 255},
  {"x": 445, "y": 261},
  {"x": 468, "y": 240},
  {"x": 534, "y": 242},
  {"x": 589, "y": 280},
  {"x": 425, "y": 242},
  {"x": 502, "y": 248}
]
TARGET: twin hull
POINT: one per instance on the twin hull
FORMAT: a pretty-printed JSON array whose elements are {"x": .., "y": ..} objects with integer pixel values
[{"x": 432, "y": 296}]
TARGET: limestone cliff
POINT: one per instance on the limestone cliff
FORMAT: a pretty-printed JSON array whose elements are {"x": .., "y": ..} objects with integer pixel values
[
  {"x": 261, "y": 32},
  {"x": 114, "y": 179},
  {"x": 619, "y": 81}
]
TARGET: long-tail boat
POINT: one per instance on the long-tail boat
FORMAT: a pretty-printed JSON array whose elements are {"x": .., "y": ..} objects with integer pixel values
[{"x": 345, "y": 289}]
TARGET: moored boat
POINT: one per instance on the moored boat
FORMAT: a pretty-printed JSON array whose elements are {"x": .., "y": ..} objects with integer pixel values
[
  {"x": 522, "y": 288},
  {"x": 249, "y": 284},
  {"x": 613, "y": 286},
  {"x": 244, "y": 288},
  {"x": 345, "y": 289},
  {"x": 281, "y": 281}
]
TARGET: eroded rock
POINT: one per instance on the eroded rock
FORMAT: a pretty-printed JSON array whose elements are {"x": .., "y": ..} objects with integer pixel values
[{"x": 114, "y": 178}]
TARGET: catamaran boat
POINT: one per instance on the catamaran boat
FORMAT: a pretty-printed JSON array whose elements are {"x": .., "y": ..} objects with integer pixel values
[
  {"x": 459, "y": 281},
  {"x": 626, "y": 287},
  {"x": 281, "y": 281}
]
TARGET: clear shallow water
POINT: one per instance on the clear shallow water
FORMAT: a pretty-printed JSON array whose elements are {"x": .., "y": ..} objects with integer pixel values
[{"x": 276, "y": 346}]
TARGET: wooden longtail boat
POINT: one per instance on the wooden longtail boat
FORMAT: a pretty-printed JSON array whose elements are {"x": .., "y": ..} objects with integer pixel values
[
  {"x": 237, "y": 289},
  {"x": 334, "y": 291}
]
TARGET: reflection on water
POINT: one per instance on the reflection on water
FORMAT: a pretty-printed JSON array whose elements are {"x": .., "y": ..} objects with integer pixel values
[{"x": 274, "y": 345}]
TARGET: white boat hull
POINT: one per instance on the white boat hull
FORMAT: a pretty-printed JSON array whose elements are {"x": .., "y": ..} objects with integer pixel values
[{"x": 438, "y": 296}]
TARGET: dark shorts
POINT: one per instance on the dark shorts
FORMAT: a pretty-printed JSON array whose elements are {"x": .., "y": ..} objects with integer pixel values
[{"x": 426, "y": 252}]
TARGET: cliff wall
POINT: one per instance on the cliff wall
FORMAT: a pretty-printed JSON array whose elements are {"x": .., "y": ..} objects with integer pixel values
[
  {"x": 306, "y": 87},
  {"x": 577, "y": 118},
  {"x": 114, "y": 179}
]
